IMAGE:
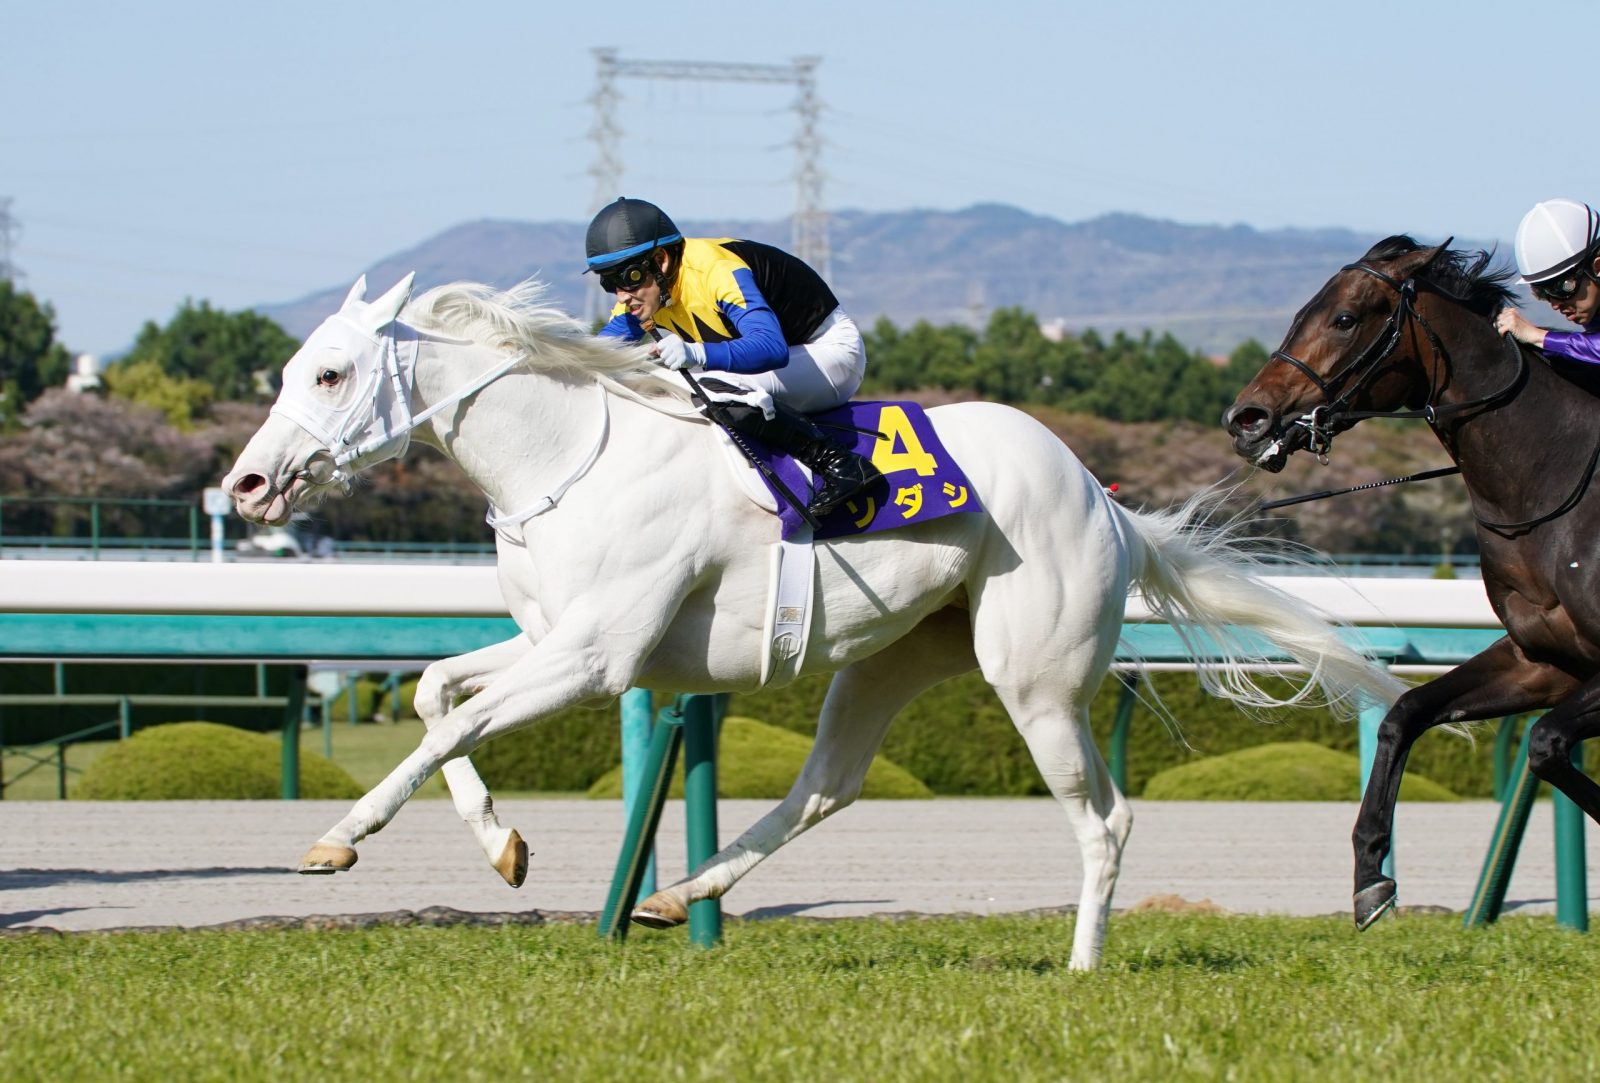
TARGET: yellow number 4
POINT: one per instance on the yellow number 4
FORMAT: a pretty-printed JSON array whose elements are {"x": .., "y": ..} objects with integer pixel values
[{"x": 899, "y": 449}]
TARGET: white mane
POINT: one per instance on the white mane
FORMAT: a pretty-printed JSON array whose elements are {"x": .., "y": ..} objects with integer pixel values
[{"x": 518, "y": 320}]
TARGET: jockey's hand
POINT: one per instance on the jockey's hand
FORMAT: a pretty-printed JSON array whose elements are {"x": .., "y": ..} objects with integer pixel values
[
  {"x": 672, "y": 352},
  {"x": 1510, "y": 322}
]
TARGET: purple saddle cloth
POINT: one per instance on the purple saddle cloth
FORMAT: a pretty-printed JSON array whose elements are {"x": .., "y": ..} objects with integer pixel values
[{"x": 920, "y": 479}]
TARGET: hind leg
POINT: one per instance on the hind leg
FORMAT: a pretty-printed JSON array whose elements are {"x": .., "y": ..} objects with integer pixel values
[
  {"x": 1497, "y": 682},
  {"x": 861, "y": 702},
  {"x": 1046, "y": 667}
]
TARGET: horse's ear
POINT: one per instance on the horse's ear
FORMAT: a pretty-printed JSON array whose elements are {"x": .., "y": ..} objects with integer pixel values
[
  {"x": 1418, "y": 262},
  {"x": 357, "y": 292},
  {"x": 386, "y": 308}
]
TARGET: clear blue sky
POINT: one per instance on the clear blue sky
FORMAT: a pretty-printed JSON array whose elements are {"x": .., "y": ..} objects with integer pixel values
[{"x": 252, "y": 153}]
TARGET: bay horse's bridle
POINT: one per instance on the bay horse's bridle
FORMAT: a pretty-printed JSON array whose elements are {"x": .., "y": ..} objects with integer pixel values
[
  {"x": 1356, "y": 376},
  {"x": 1360, "y": 372}
]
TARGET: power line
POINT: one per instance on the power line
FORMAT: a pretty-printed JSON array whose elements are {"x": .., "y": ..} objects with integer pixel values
[
  {"x": 8, "y": 228},
  {"x": 810, "y": 222}
]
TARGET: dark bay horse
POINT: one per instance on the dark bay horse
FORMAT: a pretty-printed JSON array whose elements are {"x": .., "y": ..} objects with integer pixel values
[{"x": 1407, "y": 331}]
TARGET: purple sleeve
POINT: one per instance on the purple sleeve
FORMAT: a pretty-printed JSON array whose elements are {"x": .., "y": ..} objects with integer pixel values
[{"x": 1576, "y": 345}]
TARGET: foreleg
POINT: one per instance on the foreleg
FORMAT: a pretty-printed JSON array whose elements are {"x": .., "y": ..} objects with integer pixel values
[
  {"x": 1554, "y": 738},
  {"x": 1498, "y": 682},
  {"x": 587, "y": 657},
  {"x": 442, "y": 684}
]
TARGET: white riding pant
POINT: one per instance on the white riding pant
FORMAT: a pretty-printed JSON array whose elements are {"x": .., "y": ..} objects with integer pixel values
[{"x": 821, "y": 374}]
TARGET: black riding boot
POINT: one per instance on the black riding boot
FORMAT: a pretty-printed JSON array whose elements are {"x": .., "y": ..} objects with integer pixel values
[{"x": 841, "y": 472}]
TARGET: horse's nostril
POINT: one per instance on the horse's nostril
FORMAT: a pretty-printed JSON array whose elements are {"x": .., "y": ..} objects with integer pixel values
[
  {"x": 1247, "y": 420},
  {"x": 248, "y": 484}
]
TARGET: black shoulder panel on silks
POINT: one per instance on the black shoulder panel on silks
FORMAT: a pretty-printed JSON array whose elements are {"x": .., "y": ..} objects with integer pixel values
[
  {"x": 799, "y": 297},
  {"x": 706, "y": 333}
]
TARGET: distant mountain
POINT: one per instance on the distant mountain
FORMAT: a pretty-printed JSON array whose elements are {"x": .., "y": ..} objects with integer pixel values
[{"x": 1212, "y": 287}]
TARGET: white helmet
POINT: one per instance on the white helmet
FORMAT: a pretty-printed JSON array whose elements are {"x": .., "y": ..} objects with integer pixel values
[{"x": 1554, "y": 237}]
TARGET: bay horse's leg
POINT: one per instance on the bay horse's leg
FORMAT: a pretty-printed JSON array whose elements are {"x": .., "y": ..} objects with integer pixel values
[
  {"x": 441, "y": 685},
  {"x": 1045, "y": 641},
  {"x": 1498, "y": 682},
  {"x": 1574, "y": 720},
  {"x": 862, "y": 700}
]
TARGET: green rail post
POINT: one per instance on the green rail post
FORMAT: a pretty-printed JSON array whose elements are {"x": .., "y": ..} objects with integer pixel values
[
  {"x": 291, "y": 732},
  {"x": 94, "y": 529},
  {"x": 1521, "y": 788},
  {"x": 1503, "y": 739},
  {"x": 1572, "y": 874},
  {"x": 643, "y": 818},
  {"x": 1119, "y": 729},
  {"x": 637, "y": 712},
  {"x": 1370, "y": 718},
  {"x": 701, "y": 716}
]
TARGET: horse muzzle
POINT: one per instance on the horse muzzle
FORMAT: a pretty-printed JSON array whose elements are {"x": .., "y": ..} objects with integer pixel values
[{"x": 1260, "y": 436}]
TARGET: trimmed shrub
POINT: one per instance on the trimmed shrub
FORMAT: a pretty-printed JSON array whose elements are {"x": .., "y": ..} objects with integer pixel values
[
  {"x": 958, "y": 739},
  {"x": 1287, "y": 771},
  {"x": 565, "y": 753},
  {"x": 203, "y": 761},
  {"x": 758, "y": 760}
]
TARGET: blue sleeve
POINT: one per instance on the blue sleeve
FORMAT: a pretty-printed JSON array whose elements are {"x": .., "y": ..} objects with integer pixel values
[
  {"x": 760, "y": 345},
  {"x": 1576, "y": 345},
  {"x": 623, "y": 325}
]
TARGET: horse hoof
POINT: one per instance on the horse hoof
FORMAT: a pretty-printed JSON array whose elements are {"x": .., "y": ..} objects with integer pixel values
[
  {"x": 660, "y": 911},
  {"x": 512, "y": 864},
  {"x": 325, "y": 857},
  {"x": 1373, "y": 902}
]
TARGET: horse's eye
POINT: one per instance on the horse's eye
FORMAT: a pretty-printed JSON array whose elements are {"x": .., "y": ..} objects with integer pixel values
[
  {"x": 1345, "y": 321},
  {"x": 328, "y": 378}
]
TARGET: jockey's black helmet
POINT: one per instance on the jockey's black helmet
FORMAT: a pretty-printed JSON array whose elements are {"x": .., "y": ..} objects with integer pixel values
[{"x": 626, "y": 230}]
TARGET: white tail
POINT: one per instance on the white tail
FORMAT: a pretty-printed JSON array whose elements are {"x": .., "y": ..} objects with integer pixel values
[{"x": 1206, "y": 583}]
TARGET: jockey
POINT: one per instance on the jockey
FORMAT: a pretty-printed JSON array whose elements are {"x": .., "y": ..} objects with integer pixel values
[
  {"x": 756, "y": 316},
  {"x": 1558, "y": 253}
]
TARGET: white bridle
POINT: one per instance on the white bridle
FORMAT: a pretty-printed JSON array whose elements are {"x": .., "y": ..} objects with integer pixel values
[{"x": 374, "y": 423}]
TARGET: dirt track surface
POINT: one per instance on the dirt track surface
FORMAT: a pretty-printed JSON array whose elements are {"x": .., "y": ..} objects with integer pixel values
[{"x": 90, "y": 865}]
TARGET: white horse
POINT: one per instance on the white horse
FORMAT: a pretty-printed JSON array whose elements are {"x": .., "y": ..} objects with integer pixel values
[{"x": 630, "y": 555}]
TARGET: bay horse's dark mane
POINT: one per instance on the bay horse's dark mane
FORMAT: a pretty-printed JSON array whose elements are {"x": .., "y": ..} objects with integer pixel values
[
  {"x": 1466, "y": 276},
  {"x": 1482, "y": 289}
]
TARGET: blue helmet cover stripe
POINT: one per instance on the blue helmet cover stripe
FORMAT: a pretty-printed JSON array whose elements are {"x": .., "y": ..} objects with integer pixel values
[{"x": 638, "y": 249}]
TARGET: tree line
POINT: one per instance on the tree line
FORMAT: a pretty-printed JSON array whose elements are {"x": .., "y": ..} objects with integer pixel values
[{"x": 1139, "y": 410}]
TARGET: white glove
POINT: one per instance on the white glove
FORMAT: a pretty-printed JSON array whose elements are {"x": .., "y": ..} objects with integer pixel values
[{"x": 672, "y": 352}]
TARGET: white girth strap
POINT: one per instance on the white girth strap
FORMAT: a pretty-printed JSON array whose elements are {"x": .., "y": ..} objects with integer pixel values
[{"x": 788, "y": 623}]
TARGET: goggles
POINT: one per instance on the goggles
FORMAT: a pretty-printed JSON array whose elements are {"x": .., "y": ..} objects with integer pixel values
[
  {"x": 1563, "y": 288},
  {"x": 630, "y": 276}
]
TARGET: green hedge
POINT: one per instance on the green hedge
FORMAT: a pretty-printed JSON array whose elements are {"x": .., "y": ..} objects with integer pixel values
[
  {"x": 565, "y": 753},
  {"x": 203, "y": 761},
  {"x": 957, "y": 739},
  {"x": 1285, "y": 771},
  {"x": 756, "y": 760}
]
